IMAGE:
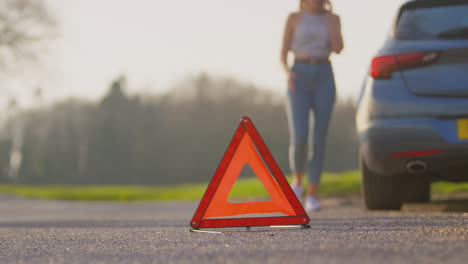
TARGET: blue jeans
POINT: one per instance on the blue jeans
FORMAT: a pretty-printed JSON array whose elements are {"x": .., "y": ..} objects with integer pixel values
[{"x": 315, "y": 91}]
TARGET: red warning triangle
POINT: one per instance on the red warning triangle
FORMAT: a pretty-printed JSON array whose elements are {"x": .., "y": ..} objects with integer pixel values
[{"x": 247, "y": 147}]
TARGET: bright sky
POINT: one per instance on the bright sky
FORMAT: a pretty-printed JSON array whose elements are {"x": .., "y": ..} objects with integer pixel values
[{"x": 155, "y": 43}]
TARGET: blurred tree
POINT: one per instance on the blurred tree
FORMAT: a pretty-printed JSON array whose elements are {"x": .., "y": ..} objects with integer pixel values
[
  {"x": 110, "y": 148},
  {"x": 5, "y": 146},
  {"x": 12, "y": 132},
  {"x": 23, "y": 24}
]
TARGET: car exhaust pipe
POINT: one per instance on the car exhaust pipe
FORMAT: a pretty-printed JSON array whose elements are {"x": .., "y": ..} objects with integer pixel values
[{"x": 416, "y": 167}]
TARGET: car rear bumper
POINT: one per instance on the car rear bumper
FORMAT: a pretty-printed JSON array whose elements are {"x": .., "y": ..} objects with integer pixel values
[{"x": 387, "y": 146}]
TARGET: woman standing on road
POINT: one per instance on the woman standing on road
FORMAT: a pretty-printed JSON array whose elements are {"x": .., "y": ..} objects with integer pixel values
[{"x": 312, "y": 34}]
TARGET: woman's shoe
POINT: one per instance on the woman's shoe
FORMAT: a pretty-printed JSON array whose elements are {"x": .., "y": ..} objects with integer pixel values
[
  {"x": 297, "y": 189},
  {"x": 311, "y": 204}
]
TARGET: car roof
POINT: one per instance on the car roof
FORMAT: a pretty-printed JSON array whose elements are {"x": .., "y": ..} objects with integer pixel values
[{"x": 404, "y": 2}]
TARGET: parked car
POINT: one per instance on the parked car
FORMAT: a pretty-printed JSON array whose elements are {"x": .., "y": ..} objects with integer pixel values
[{"x": 412, "y": 117}]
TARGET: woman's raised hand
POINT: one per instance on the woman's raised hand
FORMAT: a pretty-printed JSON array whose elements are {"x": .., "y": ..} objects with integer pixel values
[{"x": 291, "y": 78}]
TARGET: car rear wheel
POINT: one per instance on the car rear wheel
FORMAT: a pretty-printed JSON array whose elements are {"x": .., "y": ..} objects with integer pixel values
[
  {"x": 416, "y": 189},
  {"x": 380, "y": 192}
]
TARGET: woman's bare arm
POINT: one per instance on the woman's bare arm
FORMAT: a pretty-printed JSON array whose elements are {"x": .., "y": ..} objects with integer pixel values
[
  {"x": 287, "y": 38},
  {"x": 336, "y": 39}
]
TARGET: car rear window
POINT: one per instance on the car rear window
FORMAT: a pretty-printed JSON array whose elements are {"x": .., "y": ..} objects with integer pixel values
[{"x": 420, "y": 22}]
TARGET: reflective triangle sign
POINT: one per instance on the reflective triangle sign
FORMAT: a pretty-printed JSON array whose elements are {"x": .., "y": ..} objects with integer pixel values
[{"x": 247, "y": 147}]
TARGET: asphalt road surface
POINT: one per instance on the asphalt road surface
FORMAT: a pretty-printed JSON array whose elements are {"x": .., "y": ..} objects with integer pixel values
[{"x": 146, "y": 232}]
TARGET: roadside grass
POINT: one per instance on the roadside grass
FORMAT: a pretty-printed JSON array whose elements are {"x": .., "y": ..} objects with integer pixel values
[
  {"x": 343, "y": 184},
  {"x": 448, "y": 188}
]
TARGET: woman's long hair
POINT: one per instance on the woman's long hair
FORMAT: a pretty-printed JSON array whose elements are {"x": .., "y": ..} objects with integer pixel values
[{"x": 327, "y": 5}]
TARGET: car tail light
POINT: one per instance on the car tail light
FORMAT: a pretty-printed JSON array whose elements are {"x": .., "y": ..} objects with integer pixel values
[{"x": 383, "y": 66}]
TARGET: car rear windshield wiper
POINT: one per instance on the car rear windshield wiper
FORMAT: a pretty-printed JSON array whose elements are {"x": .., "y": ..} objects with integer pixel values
[{"x": 455, "y": 33}]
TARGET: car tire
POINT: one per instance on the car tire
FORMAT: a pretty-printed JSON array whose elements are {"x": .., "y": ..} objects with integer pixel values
[
  {"x": 416, "y": 189},
  {"x": 380, "y": 192}
]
